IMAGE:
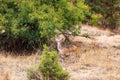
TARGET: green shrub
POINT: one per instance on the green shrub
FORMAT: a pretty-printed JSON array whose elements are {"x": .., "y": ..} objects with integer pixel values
[
  {"x": 49, "y": 67},
  {"x": 30, "y": 23},
  {"x": 95, "y": 19},
  {"x": 86, "y": 35},
  {"x": 109, "y": 9}
]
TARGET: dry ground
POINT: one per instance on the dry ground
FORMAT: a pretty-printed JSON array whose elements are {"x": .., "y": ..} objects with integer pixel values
[
  {"x": 95, "y": 64},
  {"x": 99, "y": 59}
]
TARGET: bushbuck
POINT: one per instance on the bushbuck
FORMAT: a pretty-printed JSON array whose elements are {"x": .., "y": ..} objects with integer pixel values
[{"x": 69, "y": 50}]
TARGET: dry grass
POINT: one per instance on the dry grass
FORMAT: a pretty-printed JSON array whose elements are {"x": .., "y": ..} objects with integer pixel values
[
  {"x": 95, "y": 64},
  {"x": 98, "y": 60},
  {"x": 5, "y": 76},
  {"x": 16, "y": 66}
]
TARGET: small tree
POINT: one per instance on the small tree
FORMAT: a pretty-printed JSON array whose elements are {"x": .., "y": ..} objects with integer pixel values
[
  {"x": 49, "y": 67},
  {"x": 30, "y": 23}
]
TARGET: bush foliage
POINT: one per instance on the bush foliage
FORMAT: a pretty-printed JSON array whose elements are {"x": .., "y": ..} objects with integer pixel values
[
  {"x": 49, "y": 68},
  {"x": 30, "y": 23},
  {"x": 109, "y": 9}
]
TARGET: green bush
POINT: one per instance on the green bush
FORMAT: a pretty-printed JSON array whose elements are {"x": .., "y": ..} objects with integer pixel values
[
  {"x": 109, "y": 9},
  {"x": 30, "y": 23},
  {"x": 86, "y": 35},
  {"x": 49, "y": 68},
  {"x": 95, "y": 20}
]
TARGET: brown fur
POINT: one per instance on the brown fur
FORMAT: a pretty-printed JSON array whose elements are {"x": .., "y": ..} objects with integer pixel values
[{"x": 70, "y": 49}]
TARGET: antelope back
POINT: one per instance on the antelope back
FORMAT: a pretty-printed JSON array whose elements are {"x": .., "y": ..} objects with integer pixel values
[{"x": 72, "y": 47}]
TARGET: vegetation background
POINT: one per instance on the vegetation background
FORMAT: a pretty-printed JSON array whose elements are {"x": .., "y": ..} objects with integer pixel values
[{"x": 28, "y": 24}]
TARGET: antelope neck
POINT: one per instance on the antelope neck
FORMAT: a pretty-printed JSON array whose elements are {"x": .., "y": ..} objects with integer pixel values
[{"x": 59, "y": 47}]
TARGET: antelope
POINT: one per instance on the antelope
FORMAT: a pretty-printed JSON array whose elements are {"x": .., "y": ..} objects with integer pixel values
[{"x": 67, "y": 50}]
